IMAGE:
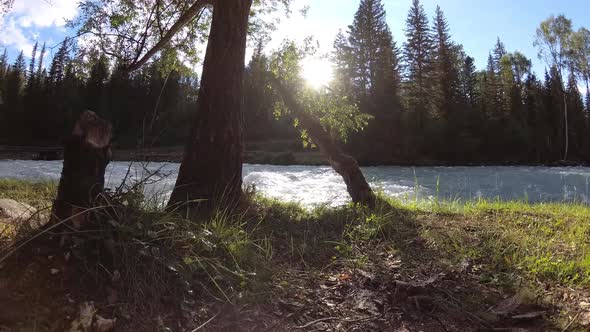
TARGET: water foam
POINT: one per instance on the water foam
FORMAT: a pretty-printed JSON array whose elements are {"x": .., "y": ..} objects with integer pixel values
[{"x": 313, "y": 185}]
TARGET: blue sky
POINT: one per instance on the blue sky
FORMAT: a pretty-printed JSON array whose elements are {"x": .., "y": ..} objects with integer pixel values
[
  {"x": 475, "y": 24},
  {"x": 32, "y": 20}
]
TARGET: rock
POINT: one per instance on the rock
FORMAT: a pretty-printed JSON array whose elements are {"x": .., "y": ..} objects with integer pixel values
[{"x": 13, "y": 212}]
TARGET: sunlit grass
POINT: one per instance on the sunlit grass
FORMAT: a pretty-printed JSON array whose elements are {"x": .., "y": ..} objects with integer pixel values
[
  {"x": 548, "y": 241},
  {"x": 37, "y": 194}
]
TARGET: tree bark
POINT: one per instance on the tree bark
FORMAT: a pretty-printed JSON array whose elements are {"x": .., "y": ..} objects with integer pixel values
[
  {"x": 211, "y": 168},
  {"x": 356, "y": 184},
  {"x": 87, "y": 151}
]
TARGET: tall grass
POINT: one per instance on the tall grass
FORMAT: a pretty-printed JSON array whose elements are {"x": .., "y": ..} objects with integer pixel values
[{"x": 238, "y": 249}]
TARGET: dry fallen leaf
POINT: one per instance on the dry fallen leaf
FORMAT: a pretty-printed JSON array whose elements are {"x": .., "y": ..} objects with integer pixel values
[
  {"x": 344, "y": 276},
  {"x": 104, "y": 325},
  {"x": 86, "y": 316},
  {"x": 585, "y": 318}
]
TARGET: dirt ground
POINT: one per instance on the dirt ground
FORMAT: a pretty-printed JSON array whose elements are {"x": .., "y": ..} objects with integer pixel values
[{"x": 42, "y": 289}]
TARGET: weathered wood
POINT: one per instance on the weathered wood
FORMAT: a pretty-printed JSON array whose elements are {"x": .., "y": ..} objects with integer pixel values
[
  {"x": 356, "y": 184},
  {"x": 87, "y": 151},
  {"x": 211, "y": 169}
]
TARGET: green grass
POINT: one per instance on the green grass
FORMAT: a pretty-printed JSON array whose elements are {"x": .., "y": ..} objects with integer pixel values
[
  {"x": 546, "y": 241},
  {"x": 37, "y": 194},
  {"x": 238, "y": 253}
]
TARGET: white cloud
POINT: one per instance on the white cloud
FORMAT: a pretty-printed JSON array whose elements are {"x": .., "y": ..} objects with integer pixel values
[
  {"x": 20, "y": 28},
  {"x": 13, "y": 35},
  {"x": 44, "y": 13}
]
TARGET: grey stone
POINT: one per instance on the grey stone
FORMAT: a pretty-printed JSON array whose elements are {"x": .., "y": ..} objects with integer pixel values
[{"x": 15, "y": 212}]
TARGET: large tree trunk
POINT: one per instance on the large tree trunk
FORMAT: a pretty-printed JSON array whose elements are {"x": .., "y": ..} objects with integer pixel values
[
  {"x": 86, "y": 155},
  {"x": 356, "y": 184},
  {"x": 211, "y": 168}
]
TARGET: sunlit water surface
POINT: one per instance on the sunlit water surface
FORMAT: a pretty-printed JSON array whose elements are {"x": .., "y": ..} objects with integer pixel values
[{"x": 312, "y": 185}]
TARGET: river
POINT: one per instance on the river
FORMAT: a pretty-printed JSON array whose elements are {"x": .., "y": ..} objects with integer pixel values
[{"x": 311, "y": 185}]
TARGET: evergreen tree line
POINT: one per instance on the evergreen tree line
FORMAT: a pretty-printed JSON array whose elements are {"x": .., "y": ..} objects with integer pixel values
[
  {"x": 429, "y": 103},
  {"x": 427, "y": 100},
  {"x": 39, "y": 104},
  {"x": 441, "y": 107},
  {"x": 150, "y": 107}
]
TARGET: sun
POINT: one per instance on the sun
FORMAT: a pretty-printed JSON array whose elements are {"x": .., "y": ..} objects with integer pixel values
[{"x": 317, "y": 72}]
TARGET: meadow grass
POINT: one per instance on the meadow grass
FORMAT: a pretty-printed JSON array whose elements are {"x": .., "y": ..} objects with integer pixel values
[
  {"x": 38, "y": 194},
  {"x": 547, "y": 241},
  {"x": 238, "y": 251}
]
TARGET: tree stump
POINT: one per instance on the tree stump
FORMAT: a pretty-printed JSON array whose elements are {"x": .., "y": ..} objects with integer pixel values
[{"x": 87, "y": 151}]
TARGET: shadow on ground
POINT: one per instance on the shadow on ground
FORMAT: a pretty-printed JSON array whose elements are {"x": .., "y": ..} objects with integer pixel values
[{"x": 343, "y": 269}]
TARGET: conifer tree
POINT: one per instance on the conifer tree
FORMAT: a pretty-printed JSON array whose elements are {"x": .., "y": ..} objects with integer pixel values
[
  {"x": 40, "y": 65},
  {"x": 4, "y": 66},
  {"x": 258, "y": 103},
  {"x": 343, "y": 65},
  {"x": 420, "y": 74},
  {"x": 15, "y": 83},
  {"x": 498, "y": 53},
  {"x": 418, "y": 52},
  {"x": 577, "y": 118},
  {"x": 468, "y": 81},
  {"x": 57, "y": 69},
  {"x": 367, "y": 69},
  {"x": 446, "y": 62},
  {"x": 96, "y": 87},
  {"x": 32, "y": 64}
]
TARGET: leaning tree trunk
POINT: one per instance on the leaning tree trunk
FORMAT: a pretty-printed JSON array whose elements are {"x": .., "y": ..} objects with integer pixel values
[
  {"x": 211, "y": 168},
  {"x": 356, "y": 184},
  {"x": 87, "y": 152}
]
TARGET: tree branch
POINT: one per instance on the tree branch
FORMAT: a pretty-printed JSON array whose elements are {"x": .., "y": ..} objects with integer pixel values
[
  {"x": 145, "y": 33},
  {"x": 181, "y": 23}
]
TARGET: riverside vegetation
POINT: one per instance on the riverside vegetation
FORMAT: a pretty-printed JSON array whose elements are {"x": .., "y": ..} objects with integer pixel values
[
  {"x": 220, "y": 258},
  {"x": 269, "y": 265}
]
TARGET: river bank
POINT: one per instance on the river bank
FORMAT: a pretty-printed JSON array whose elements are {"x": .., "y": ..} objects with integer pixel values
[
  {"x": 274, "y": 266},
  {"x": 274, "y": 154}
]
